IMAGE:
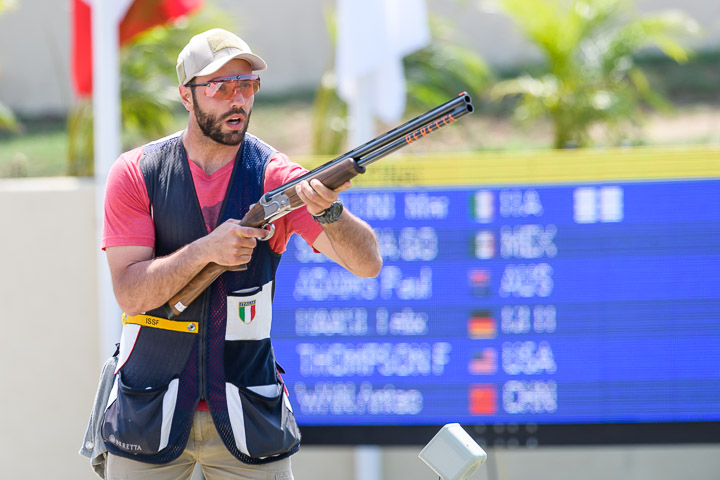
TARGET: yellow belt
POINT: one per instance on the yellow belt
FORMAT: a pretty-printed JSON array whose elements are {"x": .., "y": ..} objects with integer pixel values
[{"x": 162, "y": 323}]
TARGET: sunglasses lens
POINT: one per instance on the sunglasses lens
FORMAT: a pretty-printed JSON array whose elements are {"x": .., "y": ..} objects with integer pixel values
[
  {"x": 228, "y": 89},
  {"x": 218, "y": 89},
  {"x": 248, "y": 87}
]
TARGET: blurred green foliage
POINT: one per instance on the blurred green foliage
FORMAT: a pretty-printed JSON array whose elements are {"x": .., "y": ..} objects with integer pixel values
[
  {"x": 590, "y": 75},
  {"x": 443, "y": 69},
  {"x": 148, "y": 87},
  {"x": 694, "y": 82}
]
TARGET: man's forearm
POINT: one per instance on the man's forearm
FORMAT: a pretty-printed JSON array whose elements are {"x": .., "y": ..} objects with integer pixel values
[
  {"x": 148, "y": 284},
  {"x": 355, "y": 244}
]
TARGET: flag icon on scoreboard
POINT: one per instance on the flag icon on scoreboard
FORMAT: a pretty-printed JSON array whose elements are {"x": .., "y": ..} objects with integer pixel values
[
  {"x": 479, "y": 280},
  {"x": 482, "y": 400},
  {"x": 482, "y": 206},
  {"x": 481, "y": 325},
  {"x": 484, "y": 244},
  {"x": 484, "y": 362}
]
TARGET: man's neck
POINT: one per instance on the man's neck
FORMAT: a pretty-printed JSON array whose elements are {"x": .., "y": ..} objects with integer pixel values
[{"x": 206, "y": 153}]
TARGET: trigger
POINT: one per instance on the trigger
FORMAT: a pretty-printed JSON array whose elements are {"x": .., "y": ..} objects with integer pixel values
[{"x": 272, "y": 232}]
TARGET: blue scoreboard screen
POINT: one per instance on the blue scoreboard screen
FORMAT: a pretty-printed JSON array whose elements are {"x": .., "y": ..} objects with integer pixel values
[{"x": 530, "y": 305}]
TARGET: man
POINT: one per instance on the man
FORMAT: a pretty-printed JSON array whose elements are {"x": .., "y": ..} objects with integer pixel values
[{"x": 205, "y": 388}]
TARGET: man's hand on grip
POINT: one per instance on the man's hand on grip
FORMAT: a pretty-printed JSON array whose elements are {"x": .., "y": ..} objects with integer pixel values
[
  {"x": 317, "y": 196},
  {"x": 232, "y": 244}
]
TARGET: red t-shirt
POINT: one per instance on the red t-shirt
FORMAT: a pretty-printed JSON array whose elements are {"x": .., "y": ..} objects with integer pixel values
[{"x": 128, "y": 221}]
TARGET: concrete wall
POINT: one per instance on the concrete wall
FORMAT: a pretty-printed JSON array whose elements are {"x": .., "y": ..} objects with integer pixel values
[
  {"x": 48, "y": 347},
  {"x": 35, "y": 42},
  {"x": 50, "y": 362}
]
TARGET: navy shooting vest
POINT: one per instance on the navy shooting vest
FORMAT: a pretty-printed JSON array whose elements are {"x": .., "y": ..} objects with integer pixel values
[{"x": 229, "y": 360}]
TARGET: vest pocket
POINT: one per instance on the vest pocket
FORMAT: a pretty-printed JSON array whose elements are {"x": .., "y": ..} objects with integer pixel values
[
  {"x": 262, "y": 420},
  {"x": 249, "y": 313},
  {"x": 138, "y": 421}
]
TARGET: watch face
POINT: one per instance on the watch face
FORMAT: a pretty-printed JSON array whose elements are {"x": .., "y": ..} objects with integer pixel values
[
  {"x": 335, "y": 210},
  {"x": 331, "y": 214}
]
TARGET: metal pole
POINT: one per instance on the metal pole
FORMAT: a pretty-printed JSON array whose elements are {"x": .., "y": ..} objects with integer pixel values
[{"x": 368, "y": 462}]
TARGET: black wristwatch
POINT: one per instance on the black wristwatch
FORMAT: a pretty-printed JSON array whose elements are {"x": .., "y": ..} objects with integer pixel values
[{"x": 330, "y": 214}]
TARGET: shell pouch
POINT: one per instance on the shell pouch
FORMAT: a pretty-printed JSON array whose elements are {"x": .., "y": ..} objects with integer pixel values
[
  {"x": 142, "y": 401},
  {"x": 138, "y": 421},
  {"x": 262, "y": 420},
  {"x": 261, "y": 416}
]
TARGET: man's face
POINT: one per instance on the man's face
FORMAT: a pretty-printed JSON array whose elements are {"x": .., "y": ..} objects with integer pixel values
[{"x": 224, "y": 121}]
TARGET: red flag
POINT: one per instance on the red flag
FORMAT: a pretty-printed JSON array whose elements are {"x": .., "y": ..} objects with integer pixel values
[
  {"x": 142, "y": 15},
  {"x": 145, "y": 14},
  {"x": 82, "y": 48},
  {"x": 482, "y": 400}
]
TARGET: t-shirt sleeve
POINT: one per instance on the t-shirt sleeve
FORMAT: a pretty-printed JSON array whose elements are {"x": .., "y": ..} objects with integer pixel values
[
  {"x": 279, "y": 171},
  {"x": 128, "y": 220}
]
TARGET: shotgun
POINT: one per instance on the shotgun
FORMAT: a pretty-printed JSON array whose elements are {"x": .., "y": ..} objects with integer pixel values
[{"x": 281, "y": 201}]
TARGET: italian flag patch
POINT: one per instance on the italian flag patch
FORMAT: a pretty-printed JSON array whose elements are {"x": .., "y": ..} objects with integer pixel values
[{"x": 246, "y": 311}]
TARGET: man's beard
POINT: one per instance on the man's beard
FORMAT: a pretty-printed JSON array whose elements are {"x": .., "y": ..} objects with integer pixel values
[{"x": 211, "y": 125}]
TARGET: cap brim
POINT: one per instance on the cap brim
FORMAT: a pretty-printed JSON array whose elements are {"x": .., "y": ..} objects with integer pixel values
[{"x": 256, "y": 63}]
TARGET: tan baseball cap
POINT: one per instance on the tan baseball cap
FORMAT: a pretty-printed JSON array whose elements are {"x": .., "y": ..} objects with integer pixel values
[{"x": 207, "y": 52}]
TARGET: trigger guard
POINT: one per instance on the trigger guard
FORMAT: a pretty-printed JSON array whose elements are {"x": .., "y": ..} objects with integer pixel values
[{"x": 272, "y": 232}]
